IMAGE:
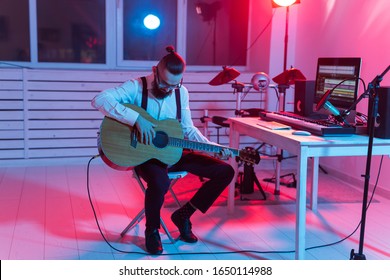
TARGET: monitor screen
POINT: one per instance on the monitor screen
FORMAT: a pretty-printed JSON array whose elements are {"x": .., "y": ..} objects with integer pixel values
[{"x": 333, "y": 70}]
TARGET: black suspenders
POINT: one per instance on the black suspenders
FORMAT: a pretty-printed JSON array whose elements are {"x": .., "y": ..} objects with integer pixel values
[
  {"x": 178, "y": 104},
  {"x": 144, "y": 102}
]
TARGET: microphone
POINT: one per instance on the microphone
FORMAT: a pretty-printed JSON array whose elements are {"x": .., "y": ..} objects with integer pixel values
[{"x": 324, "y": 103}]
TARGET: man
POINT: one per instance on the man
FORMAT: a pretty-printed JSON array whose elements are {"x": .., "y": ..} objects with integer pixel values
[{"x": 162, "y": 95}]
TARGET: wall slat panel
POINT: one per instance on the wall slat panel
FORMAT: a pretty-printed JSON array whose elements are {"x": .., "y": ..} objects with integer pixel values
[
  {"x": 62, "y": 153},
  {"x": 11, "y": 125},
  {"x": 10, "y": 154},
  {"x": 47, "y": 113},
  {"x": 63, "y": 124},
  {"x": 12, "y": 140},
  {"x": 10, "y": 84},
  {"x": 63, "y": 133}
]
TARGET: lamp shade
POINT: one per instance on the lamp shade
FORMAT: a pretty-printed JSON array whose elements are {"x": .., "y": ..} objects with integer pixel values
[
  {"x": 226, "y": 75},
  {"x": 288, "y": 77}
]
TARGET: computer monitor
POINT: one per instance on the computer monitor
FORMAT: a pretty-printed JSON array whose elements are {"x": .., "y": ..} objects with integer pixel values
[{"x": 332, "y": 71}]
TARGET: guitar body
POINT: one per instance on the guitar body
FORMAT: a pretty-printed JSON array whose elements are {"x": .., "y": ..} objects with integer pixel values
[{"x": 119, "y": 149}]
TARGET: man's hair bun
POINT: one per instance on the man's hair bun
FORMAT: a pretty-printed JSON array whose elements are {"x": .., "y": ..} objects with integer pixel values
[
  {"x": 172, "y": 61},
  {"x": 170, "y": 49}
]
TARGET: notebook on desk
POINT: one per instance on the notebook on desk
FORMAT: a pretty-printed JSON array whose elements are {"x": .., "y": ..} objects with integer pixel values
[{"x": 273, "y": 125}]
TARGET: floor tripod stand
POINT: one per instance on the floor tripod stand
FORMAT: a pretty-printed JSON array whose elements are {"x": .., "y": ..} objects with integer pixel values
[{"x": 247, "y": 179}]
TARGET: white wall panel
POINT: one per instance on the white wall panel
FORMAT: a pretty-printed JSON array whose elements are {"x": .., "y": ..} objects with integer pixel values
[{"x": 47, "y": 113}]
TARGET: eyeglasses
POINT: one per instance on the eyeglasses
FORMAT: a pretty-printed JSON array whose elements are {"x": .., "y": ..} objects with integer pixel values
[{"x": 164, "y": 85}]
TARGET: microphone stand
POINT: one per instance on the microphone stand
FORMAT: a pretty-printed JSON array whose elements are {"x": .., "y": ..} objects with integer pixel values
[{"x": 373, "y": 105}]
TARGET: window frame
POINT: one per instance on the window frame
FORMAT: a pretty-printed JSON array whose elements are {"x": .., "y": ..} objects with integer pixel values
[{"x": 114, "y": 43}]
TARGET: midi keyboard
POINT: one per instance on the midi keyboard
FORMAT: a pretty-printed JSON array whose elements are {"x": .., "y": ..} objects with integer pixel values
[{"x": 318, "y": 127}]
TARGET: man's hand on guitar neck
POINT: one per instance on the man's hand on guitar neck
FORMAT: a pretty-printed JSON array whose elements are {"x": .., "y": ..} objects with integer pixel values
[
  {"x": 224, "y": 154},
  {"x": 145, "y": 128}
]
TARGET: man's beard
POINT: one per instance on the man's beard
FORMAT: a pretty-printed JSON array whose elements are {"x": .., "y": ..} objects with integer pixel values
[{"x": 159, "y": 93}]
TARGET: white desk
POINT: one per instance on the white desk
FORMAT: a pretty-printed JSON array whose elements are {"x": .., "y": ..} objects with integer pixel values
[{"x": 304, "y": 147}]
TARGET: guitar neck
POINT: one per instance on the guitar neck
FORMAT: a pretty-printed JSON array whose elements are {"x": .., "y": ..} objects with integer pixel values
[{"x": 199, "y": 146}]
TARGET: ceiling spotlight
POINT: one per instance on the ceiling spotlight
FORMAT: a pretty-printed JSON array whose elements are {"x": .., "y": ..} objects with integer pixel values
[
  {"x": 284, "y": 3},
  {"x": 151, "y": 22}
]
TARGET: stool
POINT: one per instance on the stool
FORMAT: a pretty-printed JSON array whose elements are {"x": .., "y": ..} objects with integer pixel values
[
  {"x": 174, "y": 177},
  {"x": 221, "y": 121}
]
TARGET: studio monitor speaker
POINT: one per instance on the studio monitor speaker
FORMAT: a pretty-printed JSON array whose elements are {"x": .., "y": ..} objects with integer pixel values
[
  {"x": 304, "y": 97},
  {"x": 382, "y": 121}
]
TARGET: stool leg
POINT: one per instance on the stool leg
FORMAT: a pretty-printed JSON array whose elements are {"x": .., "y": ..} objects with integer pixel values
[
  {"x": 140, "y": 215},
  {"x": 173, "y": 193},
  {"x": 164, "y": 226},
  {"x": 133, "y": 222}
]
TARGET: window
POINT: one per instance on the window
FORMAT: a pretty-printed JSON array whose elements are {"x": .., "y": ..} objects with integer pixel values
[
  {"x": 214, "y": 32},
  {"x": 14, "y": 30},
  {"x": 113, "y": 33},
  {"x": 141, "y": 42},
  {"x": 71, "y": 31}
]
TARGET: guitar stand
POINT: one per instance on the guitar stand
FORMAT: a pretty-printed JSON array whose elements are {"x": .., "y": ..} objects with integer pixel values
[{"x": 246, "y": 181}]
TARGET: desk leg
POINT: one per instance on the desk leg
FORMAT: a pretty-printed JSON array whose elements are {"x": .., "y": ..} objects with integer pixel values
[
  {"x": 234, "y": 137},
  {"x": 300, "y": 226},
  {"x": 314, "y": 185},
  {"x": 277, "y": 179}
]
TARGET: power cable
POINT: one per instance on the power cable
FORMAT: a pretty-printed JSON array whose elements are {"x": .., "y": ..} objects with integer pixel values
[{"x": 219, "y": 253}]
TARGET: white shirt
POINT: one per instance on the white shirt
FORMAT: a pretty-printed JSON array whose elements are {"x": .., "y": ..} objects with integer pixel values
[{"x": 110, "y": 103}]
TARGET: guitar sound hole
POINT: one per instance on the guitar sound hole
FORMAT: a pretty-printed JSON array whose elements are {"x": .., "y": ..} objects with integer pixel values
[{"x": 161, "y": 139}]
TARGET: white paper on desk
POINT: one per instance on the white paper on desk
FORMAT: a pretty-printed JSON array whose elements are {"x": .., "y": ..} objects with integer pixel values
[{"x": 273, "y": 125}]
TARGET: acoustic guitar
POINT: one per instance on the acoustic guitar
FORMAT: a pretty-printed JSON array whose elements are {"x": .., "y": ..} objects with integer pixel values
[{"x": 120, "y": 149}]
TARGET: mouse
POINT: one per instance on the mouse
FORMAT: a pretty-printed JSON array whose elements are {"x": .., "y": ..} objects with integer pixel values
[{"x": 301, "y": 132}]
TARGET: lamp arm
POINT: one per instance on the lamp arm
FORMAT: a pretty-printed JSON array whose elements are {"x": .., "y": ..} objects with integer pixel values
[
  {"x": 346, "y": 112},
  {"x": 375, "y": 83}
]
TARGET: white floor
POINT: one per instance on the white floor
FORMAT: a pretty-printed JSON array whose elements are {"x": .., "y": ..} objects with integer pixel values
[{"x": 45, "y": 214}]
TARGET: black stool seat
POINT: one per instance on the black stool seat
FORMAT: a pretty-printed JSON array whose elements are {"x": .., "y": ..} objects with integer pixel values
[{"x": 221, "y": 121}]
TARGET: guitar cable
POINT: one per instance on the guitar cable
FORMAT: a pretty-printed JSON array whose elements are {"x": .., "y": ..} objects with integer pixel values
[{"x": 217, "y": 253}]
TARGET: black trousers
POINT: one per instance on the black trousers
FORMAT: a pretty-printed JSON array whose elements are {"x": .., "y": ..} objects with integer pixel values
[{"x": 154, "y": 173}]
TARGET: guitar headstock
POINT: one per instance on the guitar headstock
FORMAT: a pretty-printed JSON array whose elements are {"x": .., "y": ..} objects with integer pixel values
[{"x": 249, "y": 155}]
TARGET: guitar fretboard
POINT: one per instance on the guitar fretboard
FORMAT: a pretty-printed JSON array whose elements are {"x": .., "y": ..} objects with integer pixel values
[{"x": 193, "y": 145}]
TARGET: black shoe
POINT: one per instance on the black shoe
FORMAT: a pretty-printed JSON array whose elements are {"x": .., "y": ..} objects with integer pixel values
[
  {"x": 184, "y": 226},
  {"x": 153, "y": 242}
]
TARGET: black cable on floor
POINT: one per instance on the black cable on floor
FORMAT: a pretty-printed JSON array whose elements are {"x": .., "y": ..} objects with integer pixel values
[{"x": 217, "y": 253}]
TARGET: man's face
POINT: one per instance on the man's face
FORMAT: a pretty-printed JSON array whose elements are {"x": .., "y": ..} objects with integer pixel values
[{"x": 165, "y": 82}]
